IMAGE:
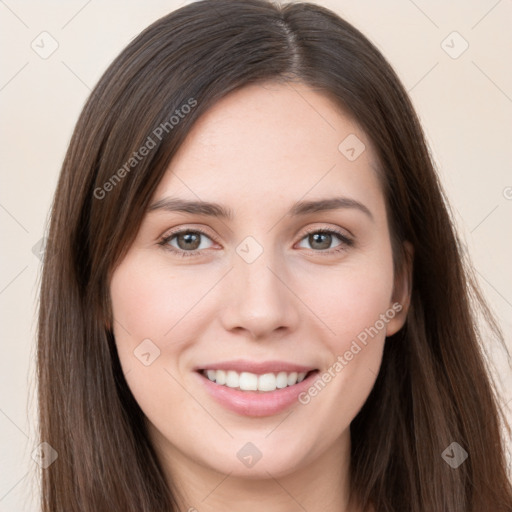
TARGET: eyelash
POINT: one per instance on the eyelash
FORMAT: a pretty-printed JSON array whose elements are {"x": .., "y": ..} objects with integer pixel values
[{"x": 345, "y": 241}]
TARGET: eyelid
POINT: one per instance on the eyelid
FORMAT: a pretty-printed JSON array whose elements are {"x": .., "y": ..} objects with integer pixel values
[
  {"x": 169, "y": 235},
  {"x": 189, "y": 227},
  {"x": 346, "y": 241},
  {"x": 328, "y": 229}
]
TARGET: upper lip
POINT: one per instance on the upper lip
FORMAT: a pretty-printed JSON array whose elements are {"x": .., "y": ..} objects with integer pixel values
[{"x": 257, "y": 367}]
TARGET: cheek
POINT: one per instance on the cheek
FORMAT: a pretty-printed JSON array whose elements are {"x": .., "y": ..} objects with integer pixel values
[
  {"x": 149, "y": 301},
  {"x": 146, "y": 306},
  {"x": 348, "y": 299},
  {"x": 158, "y": 313},
  {"x": 356, "y": 307},
  {"x": 368, "y": 297}
]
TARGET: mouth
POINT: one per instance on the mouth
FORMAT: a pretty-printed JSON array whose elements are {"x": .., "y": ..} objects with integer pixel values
[
  {"x": 266, "y": 390},
  {"x": 260, "y": 383}
]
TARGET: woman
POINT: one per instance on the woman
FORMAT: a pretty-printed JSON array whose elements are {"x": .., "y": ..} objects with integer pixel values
[{"x": 253, "y": 295}]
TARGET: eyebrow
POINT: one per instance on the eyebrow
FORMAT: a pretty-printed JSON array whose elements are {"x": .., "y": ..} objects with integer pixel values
[{"x": 174, "y": 204}]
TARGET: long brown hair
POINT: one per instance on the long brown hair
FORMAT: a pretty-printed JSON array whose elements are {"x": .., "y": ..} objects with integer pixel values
[{"x": 433, "y": 387}]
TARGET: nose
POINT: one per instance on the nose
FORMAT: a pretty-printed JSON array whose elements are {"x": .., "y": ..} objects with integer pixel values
[{"x": 261, "y": 301}]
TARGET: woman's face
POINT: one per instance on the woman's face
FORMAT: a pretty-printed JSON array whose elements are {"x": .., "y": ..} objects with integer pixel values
[{"x": 296, "y": 278}]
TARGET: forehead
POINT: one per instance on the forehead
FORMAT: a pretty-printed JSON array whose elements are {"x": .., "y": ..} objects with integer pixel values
[{"x": 285, "y": 139}]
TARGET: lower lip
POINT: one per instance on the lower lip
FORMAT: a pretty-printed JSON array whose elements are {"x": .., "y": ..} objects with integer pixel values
[{"x": 255, "y": 403}]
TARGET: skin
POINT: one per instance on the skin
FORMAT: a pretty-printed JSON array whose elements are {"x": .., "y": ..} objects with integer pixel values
[{"x": 258, "y": 151}]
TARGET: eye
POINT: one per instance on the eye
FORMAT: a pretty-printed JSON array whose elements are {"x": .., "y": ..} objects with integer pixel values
[
  {"x": 320, "y": 240},
  {"x": 187, "y": 242}
]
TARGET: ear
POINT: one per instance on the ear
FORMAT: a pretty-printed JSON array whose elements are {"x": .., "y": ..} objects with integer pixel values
[{"x": 401, "y": 297}]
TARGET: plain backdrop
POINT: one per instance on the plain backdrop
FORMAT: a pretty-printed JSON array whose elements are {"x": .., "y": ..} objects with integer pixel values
[{"x": 453, "y": 58}]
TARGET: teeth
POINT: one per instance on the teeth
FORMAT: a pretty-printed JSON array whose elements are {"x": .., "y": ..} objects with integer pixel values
[
  {"x": 247, "y": 381},
  {"x": 281, "y": 380},
  {"x": 220, "y": 376},
  {"x": 292, "y": 378},
  {"x": 267, "y": 382},
  {"x": 232, "y": 379}
]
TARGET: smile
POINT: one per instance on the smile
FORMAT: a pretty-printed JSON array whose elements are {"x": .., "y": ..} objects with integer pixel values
[
  {"x": 255, "y": 389},
  {"x": 247, "y": 381}
]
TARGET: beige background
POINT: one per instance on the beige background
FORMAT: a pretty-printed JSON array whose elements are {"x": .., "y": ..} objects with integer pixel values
[{"x": 465, "y": 104}]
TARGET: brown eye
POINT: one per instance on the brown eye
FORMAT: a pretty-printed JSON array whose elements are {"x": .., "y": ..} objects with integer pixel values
[
  {"x": 321, "y": 240},
  {"x": 186, "y": 242},
  {"x": 189, "y": 240}
]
